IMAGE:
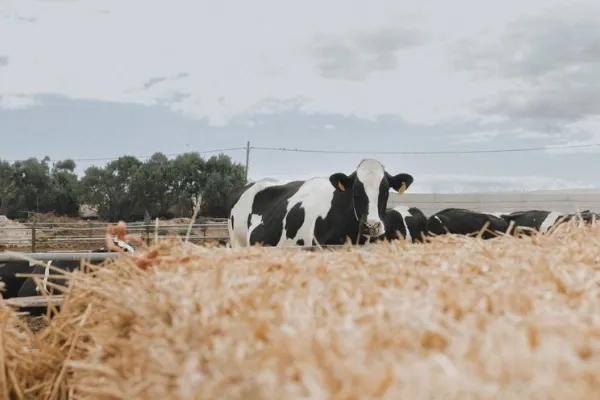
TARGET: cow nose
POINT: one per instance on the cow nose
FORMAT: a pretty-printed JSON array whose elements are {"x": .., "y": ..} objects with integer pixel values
[{"x": 374, "y": 227}]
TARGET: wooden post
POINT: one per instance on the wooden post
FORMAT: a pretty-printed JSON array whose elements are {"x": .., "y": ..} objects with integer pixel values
[{"x": 33, "y": 235}]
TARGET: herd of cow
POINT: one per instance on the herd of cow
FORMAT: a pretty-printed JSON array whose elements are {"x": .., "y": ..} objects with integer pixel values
[
  {"x": 323, "y": 211},
  {"x": 326, "y": 211}
]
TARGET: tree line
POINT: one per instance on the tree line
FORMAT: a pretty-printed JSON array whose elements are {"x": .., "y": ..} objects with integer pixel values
[{"x": 124, "y": 189}]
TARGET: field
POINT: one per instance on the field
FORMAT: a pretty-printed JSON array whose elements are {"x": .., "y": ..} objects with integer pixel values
[
  {"x": 456, "y": 318},
  {"x": 72, "y": 234}
]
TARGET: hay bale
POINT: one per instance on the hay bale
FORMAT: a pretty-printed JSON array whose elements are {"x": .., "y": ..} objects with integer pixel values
[{"x": 455, "y": 318}]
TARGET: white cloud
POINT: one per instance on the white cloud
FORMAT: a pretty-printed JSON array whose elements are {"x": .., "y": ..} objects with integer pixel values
[
  {"x": 17, "y": 101},
  {"x": 237, "y": 54}
]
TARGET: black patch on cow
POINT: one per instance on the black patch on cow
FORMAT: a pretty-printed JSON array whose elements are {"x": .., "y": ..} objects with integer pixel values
[
  {"x": 531, "y": 220},
  {"x": 465, "y": 222},
  {"x": 294, "y": 221},
  {"x": 300, "y": 242},
  {"x": 416, "y": 224},
  {"x": 8, "y": 271},
  {"x": 271, "y": 204},
  {"x": 232, "y": 225}
]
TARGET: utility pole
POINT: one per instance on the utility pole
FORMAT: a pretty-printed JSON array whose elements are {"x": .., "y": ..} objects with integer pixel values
[{"x": 247, "y": 158}]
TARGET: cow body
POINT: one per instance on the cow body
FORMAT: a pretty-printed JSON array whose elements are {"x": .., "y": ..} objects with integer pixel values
[
  {"x": 538, "y": 220},
  {"x": 404, "y": 222},
  {"x": 465, "y": 222},
  {"x": 12, "y": 283},
  {"x": 323, "y": 211},
  {"x": 29, "y": 288}
]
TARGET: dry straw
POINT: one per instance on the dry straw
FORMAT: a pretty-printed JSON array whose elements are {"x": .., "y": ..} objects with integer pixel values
[{"x": 457, "y": 318}]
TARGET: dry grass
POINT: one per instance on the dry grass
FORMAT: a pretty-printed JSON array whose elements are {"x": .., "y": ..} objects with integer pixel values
[{"x": 457, "y": 318}]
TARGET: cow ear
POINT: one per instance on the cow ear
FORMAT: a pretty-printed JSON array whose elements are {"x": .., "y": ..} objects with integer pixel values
[
  {"x": 340, "y": 181},
  {"x": 400, "y": 182}
]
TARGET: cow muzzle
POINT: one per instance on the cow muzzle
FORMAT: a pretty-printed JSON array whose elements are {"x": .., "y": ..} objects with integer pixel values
[{"x": 373, "y": 228}]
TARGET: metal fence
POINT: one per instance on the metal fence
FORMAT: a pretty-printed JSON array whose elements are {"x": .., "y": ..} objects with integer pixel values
[{"x": 36, "y": 236}]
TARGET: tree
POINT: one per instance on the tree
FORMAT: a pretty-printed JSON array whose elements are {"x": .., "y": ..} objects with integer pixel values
[
  {"x": 110, "y": 189},
  {"x": 222, "y": 175},
  {"x": 188, "y": 181},
  {"x": 8, "y": 191},
  {"x": 153, "y": 184},
  {"x": 33, "y": 187},
  {"x": 65, "y": 187}
]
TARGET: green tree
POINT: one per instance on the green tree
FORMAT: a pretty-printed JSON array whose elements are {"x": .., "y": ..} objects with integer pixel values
[
  {"x": 33, "y": 187},
  {"x": 221, "y": 176},
  {"x": 153, "y": 185},
  {"x": 8, "y": 190},
  {"x": 188, "y": 180},
  {"x": 65, "y": 186},
  {"x": 111, "y": 190}
]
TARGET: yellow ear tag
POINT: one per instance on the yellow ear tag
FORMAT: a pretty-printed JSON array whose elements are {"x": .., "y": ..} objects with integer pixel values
[
  {"x": 402, "y": 188},
  {"x": 342, "y": 188}
]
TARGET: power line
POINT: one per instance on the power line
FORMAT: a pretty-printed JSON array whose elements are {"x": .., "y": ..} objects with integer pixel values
[
  {"x": 514, "y": 150},
  {"x": 142, "y": 157},
  {"x": 325, "y": 151}
]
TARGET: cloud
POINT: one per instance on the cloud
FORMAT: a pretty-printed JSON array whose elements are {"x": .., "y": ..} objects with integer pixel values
[
  {"x": 553, "y": 64},
  {"x": 17, "y": 102},
  {"x": 3, "y": 61},
  {"x": 159, "y": 79},
  {"x": 354, "y": 58}
]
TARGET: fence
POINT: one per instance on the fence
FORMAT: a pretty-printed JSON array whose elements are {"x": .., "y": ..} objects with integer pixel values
[
  {"x": 561, "y": 201},
  {"x": 36, "y": 236},
  {"x": 89, "y": 235}
]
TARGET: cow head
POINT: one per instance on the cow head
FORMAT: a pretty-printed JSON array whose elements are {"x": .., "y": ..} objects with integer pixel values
[{"x": 370, "y": 187}]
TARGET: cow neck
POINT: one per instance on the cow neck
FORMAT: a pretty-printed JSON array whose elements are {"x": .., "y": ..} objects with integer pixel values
[{"x": 353, "y": 206}]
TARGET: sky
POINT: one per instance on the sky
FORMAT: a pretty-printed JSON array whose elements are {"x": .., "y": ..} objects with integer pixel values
[{"x": 419, "y": 86}]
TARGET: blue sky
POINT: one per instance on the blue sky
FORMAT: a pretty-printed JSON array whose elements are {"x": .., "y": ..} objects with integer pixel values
[{"x": 93, "y": 80}]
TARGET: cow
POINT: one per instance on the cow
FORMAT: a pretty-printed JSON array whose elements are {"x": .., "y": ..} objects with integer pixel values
[
  {"x": 321, "y": 210},
  {"x": 534, "y": 220},
  {"x": 12, "y": 283},
  {"x": 586, "y": 216},
  {"x": 29, "y": 287},
  {"x": 460, "y": 221},
  {"x": 409, "y": 223}
]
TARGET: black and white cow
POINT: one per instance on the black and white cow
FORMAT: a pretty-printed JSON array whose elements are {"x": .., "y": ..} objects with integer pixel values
[
  {"x": 460, "y": 221},
  {"x": 323, "y": 211},
  {"x": 534, "y": 220},
  {"x": 409, "y": 223},
  {"x": 29, "y": 288},
  {"x": 585, "y": 216}
]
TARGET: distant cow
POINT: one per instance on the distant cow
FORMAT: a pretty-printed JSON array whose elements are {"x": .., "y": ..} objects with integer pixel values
[
  {"x": 29, "y": 288},
  {"x": 319, "y": 210},
  {"x": 586, "y": 216},
  {"x": 537, "y": 220},
  {"x": 409, "y": 222},
  {"x": 12, "y": 283},
  {"x": 465, "y": 222}
]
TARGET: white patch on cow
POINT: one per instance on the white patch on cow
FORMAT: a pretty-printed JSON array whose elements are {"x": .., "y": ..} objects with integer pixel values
[
  {"x": 404, "y": 213},
  {"x": 550, "y": 220},
  {"x": 497, "y": 214},
  {"x": 315, "y": 197},
  {"x": 127, "y": 248},
  {"x": 45, "y": 280},
  {"x": 239, "y": 234},
  {"x": 370, "y": 172},
  {"x": 255, "y": 220}
]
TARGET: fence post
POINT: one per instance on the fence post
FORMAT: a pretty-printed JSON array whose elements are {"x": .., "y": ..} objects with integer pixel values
[{"x": 33, "y": 235}]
